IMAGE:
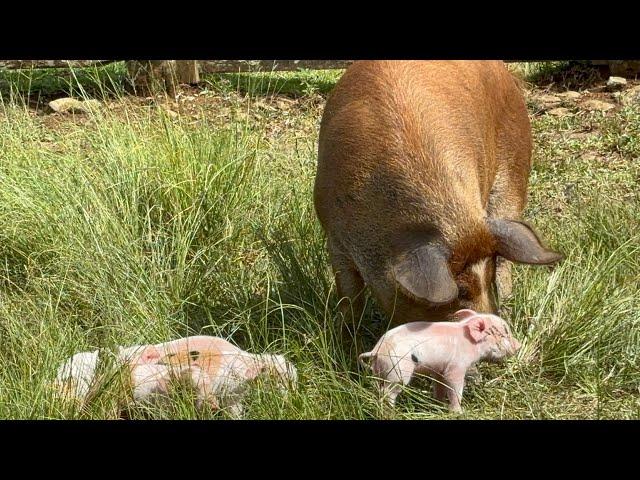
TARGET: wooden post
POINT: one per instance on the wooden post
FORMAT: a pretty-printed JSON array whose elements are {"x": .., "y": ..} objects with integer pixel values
[
  {"x": 236, "y": 66},
  {"x": 625, "y": 68},
  {"x": 155, "y": 76},
  {"x": 187, "y": 72},
  {"x": 29, "y": 64},
  {"x": 148, "y": 77}
]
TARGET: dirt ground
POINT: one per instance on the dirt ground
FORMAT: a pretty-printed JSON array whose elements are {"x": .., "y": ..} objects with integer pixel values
[{"x": 562, "y": 97}]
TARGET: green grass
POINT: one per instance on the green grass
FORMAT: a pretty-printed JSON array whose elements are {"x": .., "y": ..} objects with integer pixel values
[
  {"x": 34, "y": 84},
  {"x": 132, "y": 227},
  {"x": 559, "y": 75},
  {"x": 298, "y": 84}
]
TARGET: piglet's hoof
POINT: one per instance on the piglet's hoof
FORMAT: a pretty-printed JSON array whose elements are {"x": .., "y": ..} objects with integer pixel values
[{"x": 473, "y": 376}]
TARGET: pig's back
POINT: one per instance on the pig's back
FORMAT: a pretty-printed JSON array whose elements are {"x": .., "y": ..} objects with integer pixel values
[{"x": 408, "y": 145}]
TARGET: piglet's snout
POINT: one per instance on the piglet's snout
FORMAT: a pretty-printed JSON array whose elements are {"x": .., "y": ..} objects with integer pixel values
[{"x": 512, "y": 345}]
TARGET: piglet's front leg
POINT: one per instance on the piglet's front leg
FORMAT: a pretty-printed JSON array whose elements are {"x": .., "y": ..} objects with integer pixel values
[
  {"x": 454, "y": 379},
  {"x": 440, "y": 390}
]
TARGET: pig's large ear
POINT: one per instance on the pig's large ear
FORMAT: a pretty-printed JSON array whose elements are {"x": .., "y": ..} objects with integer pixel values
[
  {"x": 477, "y": 329},
  {"x": 424, "y": 274},
  {"x": 516, "y": 241}
]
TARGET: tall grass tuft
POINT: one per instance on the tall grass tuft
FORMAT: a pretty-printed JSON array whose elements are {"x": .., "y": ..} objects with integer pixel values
[{"x": 129, "y": 226}]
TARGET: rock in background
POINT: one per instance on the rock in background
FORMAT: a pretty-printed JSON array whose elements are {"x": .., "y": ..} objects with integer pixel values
[{"x": 72, "y": 105}]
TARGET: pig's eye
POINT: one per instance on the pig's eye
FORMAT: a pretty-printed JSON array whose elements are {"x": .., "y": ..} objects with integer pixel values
[{"x": 463, "y": 292}]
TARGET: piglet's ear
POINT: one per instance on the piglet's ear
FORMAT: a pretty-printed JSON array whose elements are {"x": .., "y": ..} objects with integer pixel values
[
  {"x": 477, "y": 329},
  {"x": 462, "y": 314},
  {"x": 150, "y": 355}
]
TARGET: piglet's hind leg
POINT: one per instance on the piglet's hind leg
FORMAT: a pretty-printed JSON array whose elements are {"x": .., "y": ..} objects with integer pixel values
[
  {"x": 399, "y": 374},
  {"x": 203, "y": 386}
]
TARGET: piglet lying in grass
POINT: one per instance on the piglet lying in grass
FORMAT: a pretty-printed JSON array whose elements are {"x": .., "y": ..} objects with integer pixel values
[
  {"x": 442, "y": 350},
  {"x": 216, "y": 369}
]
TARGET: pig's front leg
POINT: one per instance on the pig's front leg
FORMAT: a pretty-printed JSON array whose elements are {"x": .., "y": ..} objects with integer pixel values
[{"x": 454, "y": 378}]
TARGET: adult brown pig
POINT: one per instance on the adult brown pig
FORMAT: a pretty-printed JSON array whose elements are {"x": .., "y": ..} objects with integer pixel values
[{"x": 422, "y": 178}]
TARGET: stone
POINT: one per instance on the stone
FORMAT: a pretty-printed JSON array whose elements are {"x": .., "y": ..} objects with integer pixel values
[
  {"x": 548, "y": 100},
  {"x": 583, "y": 136},
  {"x": 616, "y": 83},
  {"x": 630, "y": 96},
  {"x": 570, "y": 95},
  {"x": 590, "y": 157},
  {"x": 72, "y": 105},
  {"x": 598, "y": 105},
  {"x": 559, "y": 112}
]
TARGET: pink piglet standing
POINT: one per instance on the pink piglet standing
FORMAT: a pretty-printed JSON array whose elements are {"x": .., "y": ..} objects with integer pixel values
[{"x": 442, "y": 350}]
